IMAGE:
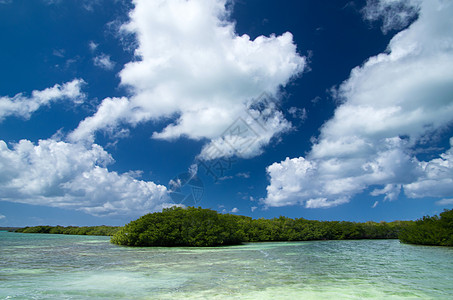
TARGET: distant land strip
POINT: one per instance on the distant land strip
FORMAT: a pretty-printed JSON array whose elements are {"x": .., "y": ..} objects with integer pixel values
[{"x": 198, "y": 227}]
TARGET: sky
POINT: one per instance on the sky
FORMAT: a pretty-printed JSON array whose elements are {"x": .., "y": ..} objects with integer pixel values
[{"x": 327, "y": 110}]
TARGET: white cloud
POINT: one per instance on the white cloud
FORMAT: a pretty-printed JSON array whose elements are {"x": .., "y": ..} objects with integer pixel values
[
  {"x": 103, "y": 61},
  {"x": 299, "y": 113},
  {"x": 394, "y": 14},
  {"x": 247, "y": 136},
  {"x": 375, "y": 204},
  {"x": 235, "y": 210},
  {"x": 253, "y": 208},
  {"x": 109, "y": 112},
  {"x": 391, "y": 104},
  {"x": 59, "y": 174},
  {"x": 238, "y": 175},
  {"x": 93, "y": 46},
  {"x": 437, "y": 178},
  {"x": 2, "y": 216},
  {"x": 391, "y": 191},
  {"x": 445, "y": 202},
  {"x": 193, "y": 70},
  {"x": 243, "y": 175},
  {"x": 24, "y": 106},
  {"x": 325, "y": 203}
]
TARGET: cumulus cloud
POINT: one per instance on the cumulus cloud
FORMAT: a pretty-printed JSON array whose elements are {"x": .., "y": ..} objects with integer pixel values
[
  {"x": 59, "y": 174},
  {"x": 437, "y": 178},
  {"x": 195, "y": 72},
  {"x": 247, "y": 135},
  {"x": 103, "y": 60},
  {"x": 108, "y": 115},
  {"x": 391, "y": 105},
  {"x": 23, "y": 106},
  {"x": 2, "y": 216}
]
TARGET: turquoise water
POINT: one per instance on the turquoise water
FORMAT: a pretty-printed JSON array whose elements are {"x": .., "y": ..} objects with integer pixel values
[{"x": 37, "y": 266}]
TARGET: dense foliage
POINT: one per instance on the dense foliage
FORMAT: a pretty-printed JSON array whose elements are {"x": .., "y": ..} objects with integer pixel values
[
  {"x": 182, "y": 227},
  {"x": 436, "y": 230},
  {"x": 300, "y": 229},
  {"x": 203, "y": 227},
  {"x": 92, "y": 230}
]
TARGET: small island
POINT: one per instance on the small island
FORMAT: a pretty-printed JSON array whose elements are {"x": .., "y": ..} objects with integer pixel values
[
  {"x": 197, "y": 227},
  {"x": 71, "y": 230}
]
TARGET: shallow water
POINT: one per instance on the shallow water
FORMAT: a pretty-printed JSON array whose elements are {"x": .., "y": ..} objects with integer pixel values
[{"x": 42, "y": 266}]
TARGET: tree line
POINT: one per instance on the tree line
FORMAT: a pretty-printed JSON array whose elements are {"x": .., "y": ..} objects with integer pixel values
[
  {"x": 434, "y": 231},
  {"x": 72, "y": 230},
  {"x": 204, "y": 227},
  {"x": 199, "y": 227}
]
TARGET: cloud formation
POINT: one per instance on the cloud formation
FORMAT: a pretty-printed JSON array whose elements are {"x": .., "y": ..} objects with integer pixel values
[
  {"x": 109, "y": 113},
  {"x": 23, "y": 106},
  {"x": 437, "y": 178},
  {"x": 59, "y": 174},
  {"x": 195, "y": 72},
  {"x": 103, "y": 60},
  {"x": 394, "y": 14},
  {"x": 250, "y": 132},
  {"x": 391, "y": 105},
  {"x": 445, "y": 202}
]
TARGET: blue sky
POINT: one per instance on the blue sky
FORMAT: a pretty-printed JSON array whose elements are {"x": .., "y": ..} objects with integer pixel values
[{"x": 329, "y": 110}]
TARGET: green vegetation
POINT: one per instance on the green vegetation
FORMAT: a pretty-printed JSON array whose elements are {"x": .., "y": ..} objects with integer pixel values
[
  {"x": 182, "y": 227},
  {"x": 204, "y": 227},
  {"x": 435, "y": 231},
  {"x": 73, "y": 230}
]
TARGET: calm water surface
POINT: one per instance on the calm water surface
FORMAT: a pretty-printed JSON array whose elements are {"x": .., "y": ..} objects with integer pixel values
[{"x": 40, "y": 266}]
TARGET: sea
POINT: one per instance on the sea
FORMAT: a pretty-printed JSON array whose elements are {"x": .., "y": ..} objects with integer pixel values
[{"x": 46, "y": 266}]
